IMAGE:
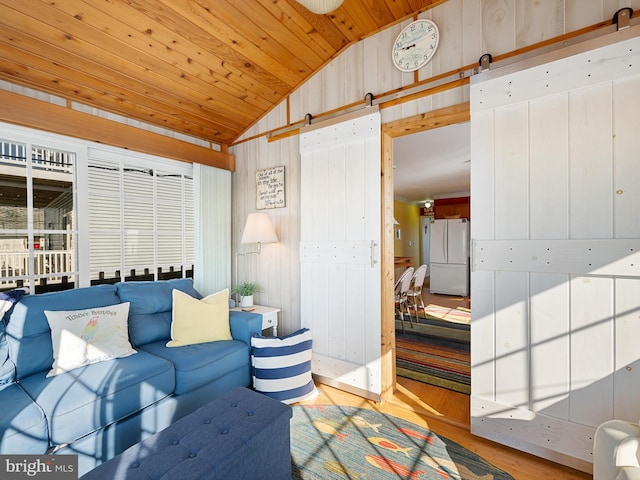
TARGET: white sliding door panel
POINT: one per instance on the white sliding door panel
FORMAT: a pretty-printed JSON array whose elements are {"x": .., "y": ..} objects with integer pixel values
[
  {"x": 339, "y": 250},
  {"x": 482, "y": 283},
  {"x": 338, "y": 286},
  {"x": 482, "y": 176},
  {"x": 626, "y": 383},
  {"x": 318, "y": 198},
  {"x": 626, "y": 105},
  {"x": 511, "y": 168},
  {"x": 512, "y": 339},
  {"x": 590, "y": 163},
  {"x": 556, "y": 248},
  {"x": 338, "y": 169},
  {"x": 549, "y": 167},
  {"x": 318, "y": 317},
  {"x": 483, "y": 346},
  {"x": 591, "y": 400},
  {"x": 550, "y": 345}
]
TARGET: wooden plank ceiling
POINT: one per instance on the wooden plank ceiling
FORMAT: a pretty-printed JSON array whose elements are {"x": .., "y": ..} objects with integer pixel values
[{"x": 207, "y": 68}]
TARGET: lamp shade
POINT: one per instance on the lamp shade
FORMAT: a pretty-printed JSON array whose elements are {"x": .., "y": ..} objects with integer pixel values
[
  {"x": 258, "y": 229},
  {"x": 320, "y": 6}
]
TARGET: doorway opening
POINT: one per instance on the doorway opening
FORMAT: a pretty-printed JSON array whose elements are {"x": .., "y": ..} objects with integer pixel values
[{"x": 426, "y": 157}]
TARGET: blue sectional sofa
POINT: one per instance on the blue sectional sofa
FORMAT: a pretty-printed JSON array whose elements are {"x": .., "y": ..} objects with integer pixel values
[{"x": 99, "y": 410}]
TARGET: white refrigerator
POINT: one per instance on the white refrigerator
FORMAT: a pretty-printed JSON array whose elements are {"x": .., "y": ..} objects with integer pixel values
[{"x": 449, "y": 257}]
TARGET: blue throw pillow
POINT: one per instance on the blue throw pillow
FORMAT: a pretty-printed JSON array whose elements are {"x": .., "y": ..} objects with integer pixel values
[{"x": 281, "y": 366}]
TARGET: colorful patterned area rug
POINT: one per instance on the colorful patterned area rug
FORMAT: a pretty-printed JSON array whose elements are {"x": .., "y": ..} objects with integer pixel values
[
  {"x": 436, "y": 352},
  {"x": 330, "y": 442}
]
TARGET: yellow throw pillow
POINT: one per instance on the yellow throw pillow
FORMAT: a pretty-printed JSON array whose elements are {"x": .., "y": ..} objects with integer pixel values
[{"x": 199, "y": 321}]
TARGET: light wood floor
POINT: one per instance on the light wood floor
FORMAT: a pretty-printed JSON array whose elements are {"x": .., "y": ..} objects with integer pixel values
[
  {"x": 442, "y": 411},
  {"x": 444, "y": 300},
  {"x": 448, "y": 413}
]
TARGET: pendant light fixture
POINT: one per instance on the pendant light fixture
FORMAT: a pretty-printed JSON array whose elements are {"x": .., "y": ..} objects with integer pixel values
[{"x": 320, "y": 6}]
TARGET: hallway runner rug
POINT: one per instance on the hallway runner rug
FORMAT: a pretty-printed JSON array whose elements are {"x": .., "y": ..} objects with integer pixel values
[
  {"x": 338, "y": 442},
  {"x": 435, "y": 352}
]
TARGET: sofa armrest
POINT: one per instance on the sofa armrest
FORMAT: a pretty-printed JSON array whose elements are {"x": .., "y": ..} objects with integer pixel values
[{"x": 244, "y": 325}]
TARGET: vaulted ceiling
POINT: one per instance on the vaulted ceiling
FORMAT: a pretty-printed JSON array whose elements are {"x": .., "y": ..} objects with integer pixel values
[{"x": 207, "y": 68}]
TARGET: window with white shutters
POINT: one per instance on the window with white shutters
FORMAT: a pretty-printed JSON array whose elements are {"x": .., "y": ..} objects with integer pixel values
[
  {"x": 140, "y": 221},
  {"x": 74, "y": 213}
]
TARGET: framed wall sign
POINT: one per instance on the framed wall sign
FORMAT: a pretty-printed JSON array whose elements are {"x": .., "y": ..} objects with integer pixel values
[{"x": 270, "y": 188}]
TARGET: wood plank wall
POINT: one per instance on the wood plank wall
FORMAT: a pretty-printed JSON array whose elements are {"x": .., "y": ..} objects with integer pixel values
[{"x": 469, "y": 28}]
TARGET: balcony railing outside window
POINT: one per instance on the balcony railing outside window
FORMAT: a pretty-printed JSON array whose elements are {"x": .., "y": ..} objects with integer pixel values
[{"x": 36, "y": 217}]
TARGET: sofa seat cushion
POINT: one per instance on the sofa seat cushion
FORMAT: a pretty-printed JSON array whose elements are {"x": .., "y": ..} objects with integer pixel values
[
  {"x": 151, "y": 305},
  {"x": 28, "y": 331},
  {"x": 202, "y": 363},
  {"x": 23, "y": 426},
  {"x": 88, "y": 398}
]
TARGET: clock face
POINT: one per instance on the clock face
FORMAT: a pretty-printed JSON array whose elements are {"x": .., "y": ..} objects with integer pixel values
[{"x": 415, "y": 45}]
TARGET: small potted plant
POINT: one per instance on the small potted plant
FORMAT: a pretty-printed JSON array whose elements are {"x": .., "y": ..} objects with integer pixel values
[{"x": 246, "y": 291}]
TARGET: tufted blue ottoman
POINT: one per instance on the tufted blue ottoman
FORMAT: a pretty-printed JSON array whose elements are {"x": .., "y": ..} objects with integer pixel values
[{"x": 241, "y": 435}]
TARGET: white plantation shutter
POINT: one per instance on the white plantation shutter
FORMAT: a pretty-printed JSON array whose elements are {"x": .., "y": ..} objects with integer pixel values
[
  {"x": 171, "y": 217},
  {"x": 189, "y": 225},
  {"x": 105, "y": 217},
  {"x": 104, "y": 252},
  {"x": 140, "y": 217}
]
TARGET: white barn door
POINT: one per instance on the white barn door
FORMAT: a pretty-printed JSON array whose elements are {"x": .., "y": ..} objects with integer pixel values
[
  {"x": 340, "y": 250},
  {"x": 555, "y": 185}
]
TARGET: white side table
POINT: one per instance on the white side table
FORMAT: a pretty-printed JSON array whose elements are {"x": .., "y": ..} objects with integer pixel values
[{"x": 269, "y": 316}]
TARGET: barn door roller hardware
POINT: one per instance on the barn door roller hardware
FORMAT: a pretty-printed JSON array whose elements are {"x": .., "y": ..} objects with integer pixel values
[
  {"x": 622, "y": 18},
  {"x": 368, "y": 99},
  {"x": 484, "y": 62},
  {"x": 307, "y": 119}
]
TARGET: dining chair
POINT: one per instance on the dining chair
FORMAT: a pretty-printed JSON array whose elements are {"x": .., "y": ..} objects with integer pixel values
[
  {"x": 414, "y": 295},
  {"x": 400, "y": 293}
]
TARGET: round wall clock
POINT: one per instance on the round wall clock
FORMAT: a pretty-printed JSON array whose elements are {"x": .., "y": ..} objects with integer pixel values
[{"x": 415, "y": 45}]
